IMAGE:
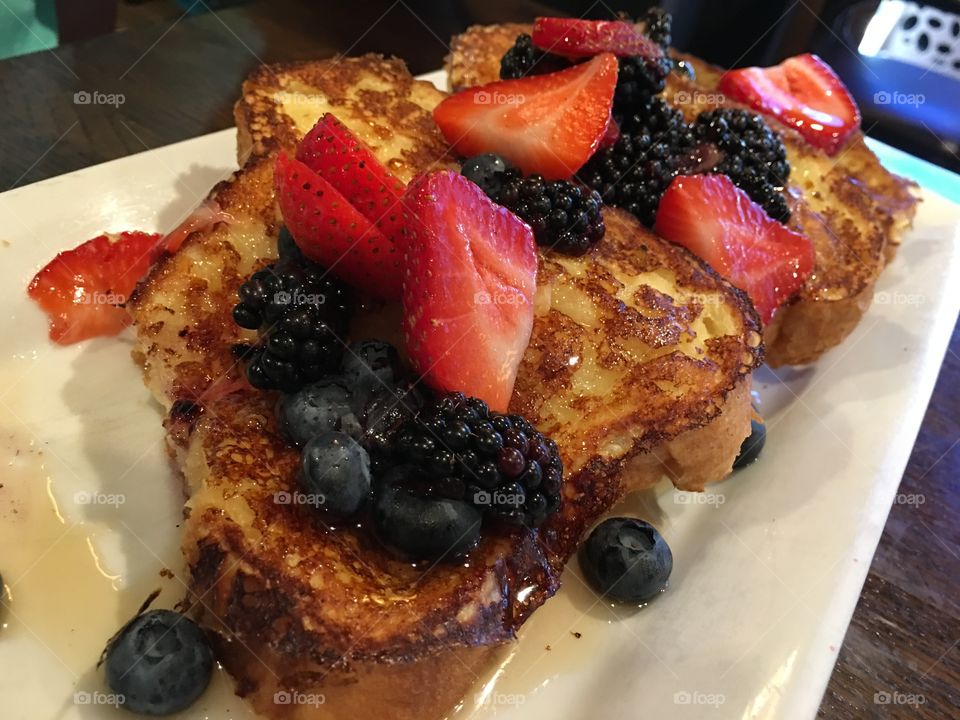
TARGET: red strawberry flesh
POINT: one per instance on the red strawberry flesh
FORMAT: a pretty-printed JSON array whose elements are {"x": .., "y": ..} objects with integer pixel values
[{"x": 575, "y": 38}]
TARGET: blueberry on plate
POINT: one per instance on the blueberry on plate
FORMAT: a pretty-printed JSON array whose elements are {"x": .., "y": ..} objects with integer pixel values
[
  {"x": 160, "y": 663},
  {"x": 423, "y": 528},
  {"x": 488, "y": 171},
  {"x": 315, "y": 409},
  {"x": 336, "y": 471},
  {"x": 751, "y": 447},
  {"x": 626, "y": 559},
  {"x": 370, "y": 366}
]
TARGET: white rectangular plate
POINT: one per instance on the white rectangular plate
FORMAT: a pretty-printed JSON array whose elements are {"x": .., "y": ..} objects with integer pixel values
[{"x": 768, "y": 565}]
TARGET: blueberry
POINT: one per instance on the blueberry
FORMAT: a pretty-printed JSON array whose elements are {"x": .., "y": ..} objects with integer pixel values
[
  {"x": 286, "y": 247},
  {"x": 336, "y": 470},
  {"x": 315, "y": 409},
  {"x": 160, "y": 663},
  {"x": 750, "y": 450},
  {"x": 371, "y": 366},
  {"x": 423, "y": 528},
  {"x": 626, "y": 559},
  {"x": 487, "y": 171}
]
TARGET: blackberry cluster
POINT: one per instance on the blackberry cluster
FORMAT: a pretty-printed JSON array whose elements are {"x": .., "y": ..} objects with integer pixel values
[
  {"x": 562, "y": 215},
  {"x": 658, "y": 26},
  {"x": 655, "y": 145},
  {"x": 301, "y": 313},
  {"x": 524, "y": 59},
  {"x": 499, "y": 464},
  {"x": 753, "y": 156},
  {"x": 640, "y": 79}
]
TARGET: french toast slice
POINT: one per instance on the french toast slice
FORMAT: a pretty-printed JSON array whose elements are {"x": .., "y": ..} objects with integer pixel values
[
  {"x": 853, "y": 209},
  {"x": 638, "y": 350}
]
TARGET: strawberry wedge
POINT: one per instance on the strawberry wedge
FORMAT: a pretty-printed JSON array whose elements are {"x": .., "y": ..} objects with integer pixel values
[
  {"x": 575, "y": 38},
  {"x": 804, "y": 93},
  {"x": 547, "y": 124},
  {"x": 469, "y": 280},
  {"x": 718, "y": 222}
]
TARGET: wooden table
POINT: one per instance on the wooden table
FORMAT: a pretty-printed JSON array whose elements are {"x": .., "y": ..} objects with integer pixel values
[{"x": 180, "y": 81}]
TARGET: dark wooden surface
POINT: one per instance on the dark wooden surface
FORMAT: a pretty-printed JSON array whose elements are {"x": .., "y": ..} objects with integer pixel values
[{"x": 180, "y": 80}]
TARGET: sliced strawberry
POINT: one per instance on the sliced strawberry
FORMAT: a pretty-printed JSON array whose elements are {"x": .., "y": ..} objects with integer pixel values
[
  {"x": 547, "y": 124},
  {"x": 575, "y": 38},
  {"x": 206, "y": 215},
  {"x": 469, "y": 279},
  {"x": 332, "y": 232},
  {"x": 804, "y": 93},
  {"x": 610, "y": 135},
  {"x": 716, "y": 220},
  {"x": 83, "y": 290},
  {"x": 347, "y": 163}
]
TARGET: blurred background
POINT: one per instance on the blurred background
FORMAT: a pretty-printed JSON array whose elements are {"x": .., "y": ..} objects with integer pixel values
[{"x": 901, "y": 59}]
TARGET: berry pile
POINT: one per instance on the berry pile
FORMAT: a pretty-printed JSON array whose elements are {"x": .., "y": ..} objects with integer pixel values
[
  {"x": 301, "y": 312},
  {"x": 658, "y": 26},
  {"x": 524, "y": 59},
  {"x": 498, "y": 463},
  {"x": 640, "y": 79},
  {"x": 563, "y": 215}
]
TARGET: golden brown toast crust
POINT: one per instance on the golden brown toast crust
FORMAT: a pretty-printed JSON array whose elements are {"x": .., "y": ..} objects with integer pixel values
[
  {"x": 853, "y": 209},
  {"x": 304, "y": 599}
]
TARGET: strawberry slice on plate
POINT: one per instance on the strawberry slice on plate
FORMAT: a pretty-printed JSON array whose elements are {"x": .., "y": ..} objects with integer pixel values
[
  {"x": 83, "y": 290},
  {"x": 717, "y": 221},
  {"x": 804, "y": 93},
  {"x": 575, "y": 38},
  {"x": 469, "y": 280},
  {"x": 548, "y": 124},
  {"x": 347, "y": 163},
  {"x": 329, "y": 230}
]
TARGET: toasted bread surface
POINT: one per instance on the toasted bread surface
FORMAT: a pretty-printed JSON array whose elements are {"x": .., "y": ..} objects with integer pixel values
[
  {"x": 853, "y": 209},
  {"x": 636, "y": 345}
]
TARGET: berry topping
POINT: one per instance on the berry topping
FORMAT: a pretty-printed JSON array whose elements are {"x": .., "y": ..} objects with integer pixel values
[
  {"x": 658, "y": 26},
  {"x": 159, "y": 664},
  {"x": 804, "y": 93},
  {"x": 627, "y": 560},
  {"x": 469, "y": 281},
  {"x": 345, "y": 161},
  {"x": 575, "y": 38},
  {"x": 751, "y": 447},
  {"x": 331, "y": 231},
  {"x": 316, "y": 408},
  {"x": 335, "y": 473},
  {"x": 461, "y": 450},
  {"x": 640, "y": 79},
  {"x": 302, "y": 312},
  {"x": 547, "y": 124},
  {"x": 83, "y": 290},
  {"x": 489, "y": 172},
  {"x": 423, "y": 528},
  {"x": 717, "y": 221},
  {"x": 371, "y": 366},
  {"x": 524, "y": 59}
]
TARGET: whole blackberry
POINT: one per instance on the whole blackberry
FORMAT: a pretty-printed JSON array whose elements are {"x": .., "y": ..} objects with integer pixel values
[
  {"x": 498, "y": 463},
  {"x": 657, "y": 25},
  {"x": 524, "y": 59},
  {"x": 562, "y": 214},
  {"x": 640, "y": 79},
  {"x": 301, "y": 313},
  {"x": 752, "y": 156},
  {"x": 655, "y": 146}
]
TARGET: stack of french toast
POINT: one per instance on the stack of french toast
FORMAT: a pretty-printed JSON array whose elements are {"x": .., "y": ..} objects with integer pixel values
[{"x": 638, "y": 366}]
